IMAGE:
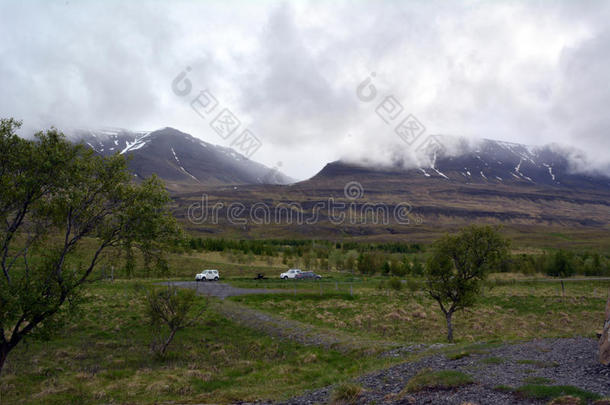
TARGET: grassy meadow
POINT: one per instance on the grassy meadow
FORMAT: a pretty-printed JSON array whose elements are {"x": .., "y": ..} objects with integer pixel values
[
  {"x": 508, "y": 310},
  {"x": 103, "y": 355}
]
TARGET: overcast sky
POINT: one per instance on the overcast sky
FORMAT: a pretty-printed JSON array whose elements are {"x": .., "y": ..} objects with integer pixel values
[{"x": 533, "y": 72}]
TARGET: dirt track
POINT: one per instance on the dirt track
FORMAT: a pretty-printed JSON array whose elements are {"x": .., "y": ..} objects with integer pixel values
[
  {"x": 221, "y": 290},
  {"x": 274, "y": 325}
]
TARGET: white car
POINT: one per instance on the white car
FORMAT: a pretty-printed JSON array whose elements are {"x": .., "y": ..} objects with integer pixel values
[
  {"x": 207, "y": 275},
  {"x": 292, "y": 273}
]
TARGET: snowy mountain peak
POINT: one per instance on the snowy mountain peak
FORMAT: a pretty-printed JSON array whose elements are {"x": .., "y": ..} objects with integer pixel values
[
  {"x": 489, "y": 162},
  {"x": 180, "y": 159}
]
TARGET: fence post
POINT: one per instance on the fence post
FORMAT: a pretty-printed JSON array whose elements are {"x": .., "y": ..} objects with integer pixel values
[{"x": 563, "y": 289}]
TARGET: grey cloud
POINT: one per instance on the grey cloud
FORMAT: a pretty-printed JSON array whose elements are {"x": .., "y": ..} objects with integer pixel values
[{"x": 530, "y": 72}]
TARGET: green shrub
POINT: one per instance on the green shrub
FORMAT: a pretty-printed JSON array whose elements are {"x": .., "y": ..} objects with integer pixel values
[
  {"x": 413, "y": 285},
  {"x": 395, "y": 284}
]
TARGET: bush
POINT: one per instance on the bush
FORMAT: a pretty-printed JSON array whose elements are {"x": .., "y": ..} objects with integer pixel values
[
  {"x": 395, "y": 284},
  {"x": 413, "y": 285},
  {"x": 369, "y": 263},
  {"x": 169, "y": 311}
]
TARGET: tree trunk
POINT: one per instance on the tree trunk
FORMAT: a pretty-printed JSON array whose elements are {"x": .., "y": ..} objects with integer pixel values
[
  {"x": 168, "y": 341},
  {"x": 448, "y": 316},
  {"x": 4, "y": 349}
]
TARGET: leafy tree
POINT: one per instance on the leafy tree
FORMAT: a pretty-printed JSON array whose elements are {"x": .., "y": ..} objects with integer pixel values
[
  {"x": 593, "y": 266},
  {"x": 369, "y": 263},
  {"x": 61, "y": 209},
  {"x": 335, "y": 259},
  {"x": 386, "y": 268},
  {"x": 350, "y": 261},
  {"x": 562, "y": 264},
  {"x": 417, "y": 268},
  {"x": 399, "y": 268},
  {"x": 169, "y": 311},
  {"x": 458, "y": 265}
]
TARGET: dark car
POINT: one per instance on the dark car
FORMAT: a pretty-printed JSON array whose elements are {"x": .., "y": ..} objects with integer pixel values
[{"x": 307, "y": 275}]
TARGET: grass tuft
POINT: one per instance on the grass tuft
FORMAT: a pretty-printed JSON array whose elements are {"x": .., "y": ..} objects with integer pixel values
[
  {"x": 444, "y": 379},
  {"x": 538, "y": 363},
  {"x": 566, "y": 400},
  {"x": 457, "y": 356},
  {"x": 541, "y": 392},
  {"x": 346, "y": 394},
  {"x": 492, "y": 360},
  {"x": 537, "y": 380}
]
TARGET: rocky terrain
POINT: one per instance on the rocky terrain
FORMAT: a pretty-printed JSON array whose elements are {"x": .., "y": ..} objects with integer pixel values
[{"x": 494, "y": 370}]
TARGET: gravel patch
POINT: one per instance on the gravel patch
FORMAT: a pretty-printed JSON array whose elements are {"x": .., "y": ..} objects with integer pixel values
[{"x": 563, "y": 361}]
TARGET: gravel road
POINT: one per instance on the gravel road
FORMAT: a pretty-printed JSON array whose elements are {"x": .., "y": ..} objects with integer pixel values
[
  {"x": 274, "y": 325},
  {"x": 221, "y": 290}
]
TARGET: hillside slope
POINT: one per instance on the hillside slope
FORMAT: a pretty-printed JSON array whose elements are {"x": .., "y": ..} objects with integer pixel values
[{"x": 527, "y": 189}]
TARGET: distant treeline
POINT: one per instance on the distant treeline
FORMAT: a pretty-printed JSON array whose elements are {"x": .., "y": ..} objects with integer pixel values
[
  {"x": 391, "y": 258},
  {"x": 561, "y": 263},
  {"x": 271, "y": 247}
]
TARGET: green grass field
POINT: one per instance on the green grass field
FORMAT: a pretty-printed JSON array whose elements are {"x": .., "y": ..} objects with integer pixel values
[
  {"x": 507, "y": 311},
  {"x": 103, "y": 355}
]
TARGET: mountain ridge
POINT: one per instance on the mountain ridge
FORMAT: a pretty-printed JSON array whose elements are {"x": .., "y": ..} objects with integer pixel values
[
  {"x": 491, "y": 162},
  {"x": 181, "y": 160}
]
